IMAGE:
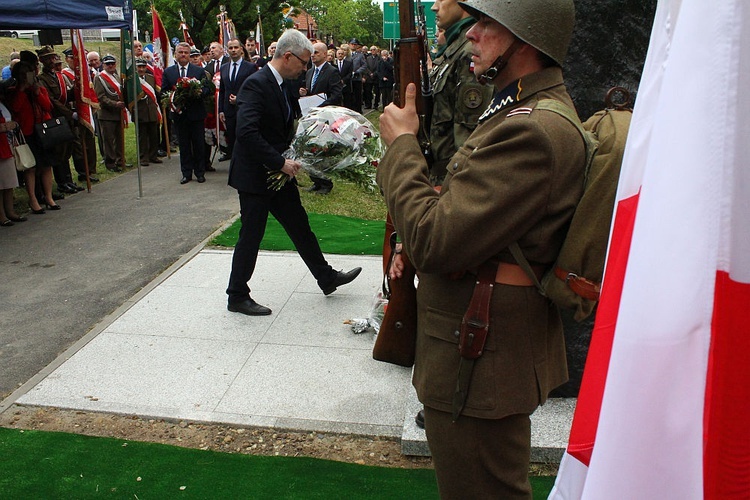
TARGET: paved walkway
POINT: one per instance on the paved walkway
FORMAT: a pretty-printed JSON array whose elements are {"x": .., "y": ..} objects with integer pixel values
[{"x": 163, "y": 345}]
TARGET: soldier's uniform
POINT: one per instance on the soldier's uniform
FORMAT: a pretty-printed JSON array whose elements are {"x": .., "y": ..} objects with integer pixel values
[
  {"x": 149, "y": 118},
  {"x": 109, "y": 92},
  {"x": 458, "y": 99},
  {"x": 517, "y": 178}
]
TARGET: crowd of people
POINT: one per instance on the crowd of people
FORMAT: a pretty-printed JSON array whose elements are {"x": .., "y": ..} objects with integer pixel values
[{"x": 39, "y": 85}]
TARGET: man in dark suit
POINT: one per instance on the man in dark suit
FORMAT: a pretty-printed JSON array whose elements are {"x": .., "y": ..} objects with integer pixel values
[
  {"x": 322, "y": 78},
  {"x": 189, "y": 119},
  {"x": 344, "y": 65},
  {"x": 266, "y": 109},
  {"x": 233, "y": 75},
  {"x": 217, "y": 58}
]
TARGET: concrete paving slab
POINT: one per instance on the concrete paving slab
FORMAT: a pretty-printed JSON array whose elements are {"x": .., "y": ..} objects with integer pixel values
[{"x": 177, "y": 353}]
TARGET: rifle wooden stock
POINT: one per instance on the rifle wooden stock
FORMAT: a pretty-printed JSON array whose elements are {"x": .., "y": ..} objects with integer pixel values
[{"x": 397, "y": 337}]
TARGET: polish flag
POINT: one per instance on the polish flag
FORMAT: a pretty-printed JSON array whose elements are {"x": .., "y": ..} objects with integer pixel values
[
  {"x": 664, "y": 406},
  {"x": 162, "y": 47}
]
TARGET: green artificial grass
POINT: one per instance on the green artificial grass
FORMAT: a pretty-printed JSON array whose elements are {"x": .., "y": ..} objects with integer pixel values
[
  {"x": 36, "y": 464},
  {"x": 336, "y": 234}
]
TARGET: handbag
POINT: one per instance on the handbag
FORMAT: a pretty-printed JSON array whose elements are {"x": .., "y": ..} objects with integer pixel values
[
  {"x": 22, "y": 152},
  {"x": 53, "y": 132}
]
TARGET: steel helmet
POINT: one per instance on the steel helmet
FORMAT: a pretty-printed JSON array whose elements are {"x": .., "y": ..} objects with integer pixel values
[{"x": 546, "y": 25}]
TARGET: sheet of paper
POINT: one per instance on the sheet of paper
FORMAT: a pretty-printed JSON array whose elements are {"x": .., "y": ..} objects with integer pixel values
[{"x": 310, "y": 101}]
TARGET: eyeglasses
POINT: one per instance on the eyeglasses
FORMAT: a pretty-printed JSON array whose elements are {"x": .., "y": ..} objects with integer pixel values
[{"x": 304, "y": 63}]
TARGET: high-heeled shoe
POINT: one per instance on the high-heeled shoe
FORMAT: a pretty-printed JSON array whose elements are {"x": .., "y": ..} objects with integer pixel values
[
  {"x": 53, "y": 207},
  {"x": 38, "y": 212},
  {"x": 18, "y": 219}
]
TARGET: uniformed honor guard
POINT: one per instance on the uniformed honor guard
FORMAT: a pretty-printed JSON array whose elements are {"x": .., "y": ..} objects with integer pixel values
[
  {"x": 490, "y": 348},
  {"x": 111, "y": 113}
]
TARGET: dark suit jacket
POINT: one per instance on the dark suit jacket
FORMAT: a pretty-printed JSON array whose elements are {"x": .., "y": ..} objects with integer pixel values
[
  {"x": 227, "y": 88},
  {"x": 195, "y": 110},
  {"x": 346, "y": 73},
  {"x": 212, "y": 67},
  {"x": 328, "y": 83},
  {"x": 264, "y": 131}
]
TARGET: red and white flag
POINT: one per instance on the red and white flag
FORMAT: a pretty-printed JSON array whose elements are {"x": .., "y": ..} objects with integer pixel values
[
  {"x": 85, "y": 95},
  {"x": 162, "y": 47},
  {"x": 664, "y": 406}
]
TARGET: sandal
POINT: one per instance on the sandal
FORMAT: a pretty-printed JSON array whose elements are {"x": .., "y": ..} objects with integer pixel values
[{"x": 7, "y": 223}]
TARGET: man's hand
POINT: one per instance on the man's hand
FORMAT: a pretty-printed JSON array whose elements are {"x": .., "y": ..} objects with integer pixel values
[
  {"x": 232, "y": 99},
  {"x": 397, "y": 265},
  {"x": 302, "y": 91},
  {"x": 291, "y": 167},
  {"x": 222, "y": 119},
  {"x": 396, "y": 121}
]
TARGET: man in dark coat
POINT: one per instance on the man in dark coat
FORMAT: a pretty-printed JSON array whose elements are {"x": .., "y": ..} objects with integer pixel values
[
  {"x": 346, "y": 70},
  {"x": 265, "y": 128},
  {"x": 188, "y": 119},
  {"x": 233, "y": 75}
]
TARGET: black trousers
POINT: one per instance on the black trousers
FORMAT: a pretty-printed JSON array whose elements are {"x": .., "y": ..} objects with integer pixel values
[
  {"x": 191, "y": 138},
  {"x": 230, "y": 122},
  {"x": 148, "y": 140},
  {"x": 357, "y": 96},
  {"x": 286, "y": 207}
]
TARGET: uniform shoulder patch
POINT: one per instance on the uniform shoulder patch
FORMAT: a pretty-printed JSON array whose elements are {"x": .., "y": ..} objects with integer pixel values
[{"x": 473, "y": 98}]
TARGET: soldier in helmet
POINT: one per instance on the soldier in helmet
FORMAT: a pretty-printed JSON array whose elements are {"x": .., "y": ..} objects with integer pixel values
[
  {"x": 458, "y": 98},
  {"x": 516, "y": 179}
]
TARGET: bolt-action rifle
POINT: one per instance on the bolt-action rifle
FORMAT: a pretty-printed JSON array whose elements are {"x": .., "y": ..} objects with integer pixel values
[{"x": 396, "y": 340}]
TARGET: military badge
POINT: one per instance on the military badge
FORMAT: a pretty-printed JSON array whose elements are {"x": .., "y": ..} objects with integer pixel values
[{"x": 472, "y": 98}]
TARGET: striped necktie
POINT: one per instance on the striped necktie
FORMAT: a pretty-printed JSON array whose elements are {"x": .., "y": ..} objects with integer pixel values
[{"x": 314, "y": 78}]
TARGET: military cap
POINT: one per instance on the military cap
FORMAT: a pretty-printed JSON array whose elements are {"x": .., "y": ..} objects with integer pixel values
[
  {"x": 354, "y": 41},
  {"x": 29, "y": 57},
  {"x": 46, "y": 51},
  {"x": 68, "y": 52},
  {"x": 139, "y": 61},
  {"x": 206, "y": 50},
  {"x": 108, "y": 59},
  {"x": 195, "y": 52}
]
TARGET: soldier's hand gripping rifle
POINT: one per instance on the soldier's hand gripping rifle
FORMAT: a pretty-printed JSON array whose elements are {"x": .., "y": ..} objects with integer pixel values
[{"x": 396, "y": 340}]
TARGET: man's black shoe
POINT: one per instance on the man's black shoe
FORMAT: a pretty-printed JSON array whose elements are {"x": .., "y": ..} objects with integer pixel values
[
  {"x": 185, "y": 180},
  {"x": 161, "y": 153},
  {"x": 210, "y": 169},
  {"x": 313, "y": 188},
  {"x": 114, "y": 169},
  {"x": 249, "y": 307},
  {"x": 419, "y": 419},
  {"x": 65, "y": 188},
  {"x": 342, "y": 278},
  {"x": 225, "y": 158},
  {"x": 92, "y": 178},
  {"x": 200, "y": 179},
  {"x": 74, "y": 186},
  {"x": 323, "y": 190}
]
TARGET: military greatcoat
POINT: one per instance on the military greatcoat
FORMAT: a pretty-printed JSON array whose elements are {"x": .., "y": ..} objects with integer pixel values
[{"x": 518, "y": 177}]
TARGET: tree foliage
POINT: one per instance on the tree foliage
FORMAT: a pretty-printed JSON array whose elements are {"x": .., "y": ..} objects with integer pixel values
[
  {"x": 341, "y": 20},
  {"x": 200, "y": 16}
]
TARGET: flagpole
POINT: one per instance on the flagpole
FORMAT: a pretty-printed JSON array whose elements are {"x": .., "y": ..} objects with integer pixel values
[
  {"x": 79, "y": 83},
  {"x": 134, "y": 89}
]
